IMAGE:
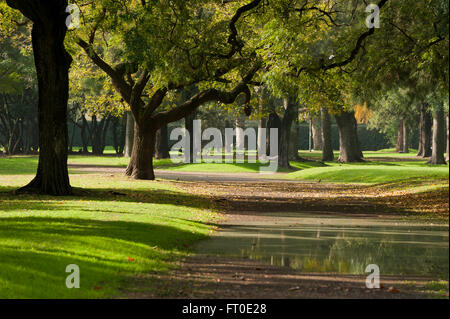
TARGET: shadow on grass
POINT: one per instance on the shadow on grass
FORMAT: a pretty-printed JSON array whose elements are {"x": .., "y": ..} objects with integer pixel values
[{"x": 34, "y": 253}]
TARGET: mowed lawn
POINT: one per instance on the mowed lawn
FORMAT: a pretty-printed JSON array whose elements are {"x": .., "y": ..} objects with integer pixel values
[
  {"x": 115, "y": 229},
  {"x": 380, "y": 167}
]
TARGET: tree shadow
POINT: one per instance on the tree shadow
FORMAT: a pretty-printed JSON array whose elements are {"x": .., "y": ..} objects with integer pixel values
[{"x": 101, "y": 249}]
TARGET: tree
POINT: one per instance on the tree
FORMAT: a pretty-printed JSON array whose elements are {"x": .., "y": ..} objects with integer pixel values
[
  {"x": 327, "y": 148},
  {"x": 349, "y": 148},
  {"x": 426, "y": 123},
  {"x": 197, "y": 47},
  {"x": 52, "y": 68},
  {"x": 18, "y": 91}
]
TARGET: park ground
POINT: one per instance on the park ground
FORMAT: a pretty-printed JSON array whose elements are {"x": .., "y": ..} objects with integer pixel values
[{"x": 137, "y": 239}]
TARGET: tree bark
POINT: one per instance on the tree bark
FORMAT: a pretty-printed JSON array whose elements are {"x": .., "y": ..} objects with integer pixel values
[
  {"x": 438, "y": 149},
  {"x": 84, "y": 138},
  {"x": 448, "y": 150},
  {"x": 129, "y": 134},
  {"x": 399, "y": 146},
  {"x": 141, "y": 161},
  {"x": 349, "y": 149},
  {"x": 162, "y": 145},
  {"x": 273, "y": 121},
  {"x": 52, "y": 68},
  {"x": 317, "y": 133},
  {"x": 189, "y": 125},
  {"x": 426, "y": 122},
  {"x": 239, "y": 123},
  {"x": 261, "y": 141},
  {"x": 293, "y": 142},
  {"x": 290, "y": 108},
  {"x": 405, "y": 144},
  {"x": 327, "y": 146}
]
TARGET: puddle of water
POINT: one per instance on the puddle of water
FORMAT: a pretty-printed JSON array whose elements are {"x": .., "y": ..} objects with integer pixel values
[{"x": 337, "y": 244}]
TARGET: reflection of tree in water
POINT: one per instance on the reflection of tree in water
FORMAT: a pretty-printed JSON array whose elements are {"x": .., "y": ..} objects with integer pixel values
[
  {"x": 331, "y": 251},
  {"x": 351, "y": 256},
  {"x": 392, "y": 258}
]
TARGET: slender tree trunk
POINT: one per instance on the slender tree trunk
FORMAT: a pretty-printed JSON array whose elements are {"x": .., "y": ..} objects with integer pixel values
[
  {"x": 317, "y": 133},
  {"x": 129, "y": 134},
  {"x": 327, "y": 146},
  {"x": 261, "y": 141},
  {"x": 273, "y": 121},
  {"x": 84, "y": 138},
  {"x": 349, "y": 149},
  {"x": 261, "y": 123},
  {"x": 122, "y": 135},
  {"x": 239, "y": 123},
  {"x": 293, "y": 142},
  {"x": 162, "y": 145},
  {"x": 189, "y": 124},
  {"x": 448, "y": 150},
  {"x": 405, "y": 144},
  {"x": 72, "y": 137},
  {"x": 426, "y": 122},
  {"x": 141, "y": 161},
  {"x": 437, "y": 156},
  {"x": 52, "y": 68},
  {"x": 285, "y": 132},
  {"x": 399, "y": 147},
  {"x": 114, "y": 129}
]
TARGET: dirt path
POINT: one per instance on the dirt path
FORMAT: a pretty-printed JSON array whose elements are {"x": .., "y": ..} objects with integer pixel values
[
  {"x": 214, "y": 277},
  {"x": 241, "y": 198},
  {"x": 217, "y": 277}
]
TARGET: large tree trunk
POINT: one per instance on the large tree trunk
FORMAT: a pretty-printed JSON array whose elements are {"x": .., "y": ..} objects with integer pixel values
[
  {"x": 162, "y": 145},
  {"x": 426, "y": 123},
  {"x": 52, "y": 68},
  {"x": 437, "y": 156},
  {"x": 141, "y": 161},
  {"x": 129, "y": 134},
  {"x": 317, "y": 133},
  {"x": 349, "y": 149},
  {"x": 327, "y": 146}
]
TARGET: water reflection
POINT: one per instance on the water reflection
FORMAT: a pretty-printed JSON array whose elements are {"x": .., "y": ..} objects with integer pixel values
[{"x": 337, "y": 244}]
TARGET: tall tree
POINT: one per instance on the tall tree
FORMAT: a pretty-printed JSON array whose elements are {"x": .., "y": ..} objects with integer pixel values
[
  {"x": 425, "y": 131},
  {"x": 327, "y": 148},
  {"x": 52, "y": 68},
  {"x": 197, "y": 46}
]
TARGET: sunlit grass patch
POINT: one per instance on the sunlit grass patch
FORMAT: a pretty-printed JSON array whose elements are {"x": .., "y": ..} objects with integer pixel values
[{"x": 113, "y": 232}]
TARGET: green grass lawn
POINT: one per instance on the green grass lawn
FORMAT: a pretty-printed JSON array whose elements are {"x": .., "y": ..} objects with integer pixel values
[
  {"x": 112, "y": 238},
  {"x": 372, "y": 172},
  {"x": 380, "y": 167},
  {"x": 117, "y": 229}
]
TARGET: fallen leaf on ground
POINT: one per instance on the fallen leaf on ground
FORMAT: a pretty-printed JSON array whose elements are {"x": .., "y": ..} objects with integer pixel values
[{"x": 394, "y": 290}]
